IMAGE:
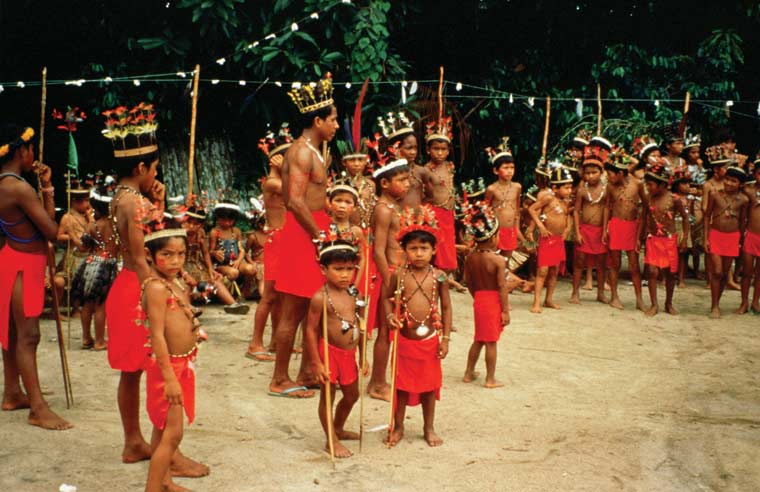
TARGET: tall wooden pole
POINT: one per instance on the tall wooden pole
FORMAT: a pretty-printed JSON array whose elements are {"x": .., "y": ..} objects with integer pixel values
[
  {"x": 362, "y": 360},
  {"x": 546, "y": 127},
  {"x": 328, "y": 386},
  {"x": 599, "y": 109},
  {"x": 394, "y": 356},
  {"x": 43, "y": 106},
  {"x": 191, "y": 152}
]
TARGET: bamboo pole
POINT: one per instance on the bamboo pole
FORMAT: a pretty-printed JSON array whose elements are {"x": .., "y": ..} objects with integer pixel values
[
  {"x": 599, "y": 109},
  {"x": 363, "y": 328},
  {"x": 328, "y": 385},
  {"x": 191, "y": 152},
  {"x": 546, "y": 127},
  {"x": 43, "y": 106},
  {"x": 440, "y": 96},
  {"x": 394, "y": 356}
]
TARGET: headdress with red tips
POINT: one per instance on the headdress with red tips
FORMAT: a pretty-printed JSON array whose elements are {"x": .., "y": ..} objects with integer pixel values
[
  {"x": 384, "y": 156},
  {"x": 658, "y": 168},
  {"x": 395, "y": 125},
  {"x": 581, "y": 139},
  {"x": 473, "y": 189},
  {"x": 439, "y": 130},
  {"x": 718, "y": 156},
  {"x": 334, "y": 239},
  {"x": 619, "y": 159},
  {"x": 501, "y": 153},
  {"x": 595, "y": 155},
  {"x": 421, "y": 218},
  {"x": 273, "y": 143},
  {"x": 312, "y": 96},
  {"x": 341, "y": 182},
  {"x": 132, "y": 132},
  {"x": 479, "y": 220},
  {"x": 681, "y": 174},
  {"x": 642, "y": 146},
  {"x": 69, "y": 119}
]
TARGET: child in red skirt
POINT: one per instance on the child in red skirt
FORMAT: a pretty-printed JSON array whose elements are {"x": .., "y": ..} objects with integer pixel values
[
  {"x": 751, "y": 247},
  {"x": 485, "y": 273},
  {"x": 504, "y": 197},
  {"x": 550, "y": 214}
]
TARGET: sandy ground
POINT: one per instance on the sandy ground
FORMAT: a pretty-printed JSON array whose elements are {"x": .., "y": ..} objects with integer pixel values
[{"x": 595, "y": 399}]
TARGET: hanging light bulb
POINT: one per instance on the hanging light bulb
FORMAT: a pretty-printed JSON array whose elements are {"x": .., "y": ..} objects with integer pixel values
[
  {"x": 214, "y": 81},
  {"x": 348, "y": 85},
  {"x": 413, "y": 89},
  {"x": 136, "y": 83},
  {"x": 221, "y": 61},
  {"x": 314, "y": 15},
  {"x": 459, "y": 86},
  {"x": 294, "y": 27},
  {"x": 511, "y": 99},
  {"x": 241, "y": 82}
]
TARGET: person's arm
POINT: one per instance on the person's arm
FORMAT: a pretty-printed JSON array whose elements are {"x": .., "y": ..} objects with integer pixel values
[
  {"x": 157, "y": 195},
  {"x": 489, "y": 195},
  {"x": 681, "y": 210},
  {"x": 38, "y": 214},
  {"x": 383, "y": 218},
  {"x": 311, "y": 336},
  {"x": 362, "y": 245},
  {"x": 387, "y": 295},
  {"x": 298, "y": 171},
  {"x": 136, "y": 239},
  {"x": 46, "y": 188},
  {"x": 501, "y": 279},
  {"x": 243, "y": 252},
  {"x": 467, "y": 276},
  {"x": 201, "y": 238},
  {"x": 213, "y": 240},
  {"x": 707, "y": 222},
  {"x": 744, "y": 215},
  {"x": 443, "y": 287},
  {"x": 606, "y": 215},
  {"x": 63, "y": 229},
  {"x": 534, "y": 211},
  {"x": 518, "y": 209},
  {"x": 577, "y": 218},
  {"x": 155, "y": 297},
  {"x": 644, "y": 207}
]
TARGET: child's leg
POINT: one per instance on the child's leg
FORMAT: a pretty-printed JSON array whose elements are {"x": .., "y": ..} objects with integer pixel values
[
  {"x": 670, "y": 287},
  {"x": 428, "y": 417},
  {"x": 472, "y": 358},
  {"x": 653, "y": 272},
  {"x": 580, "y": 263},
  {"x": 491, "y": 381},
  {"x": 223, "y": 293},
  {"x": 343, "y": 409},
  {"x": 716, "y": 284},
  {"x": 551, "y": 284},
  {"x": 601, "y": 278},
  {"x": 247, "y": 269},
  {"x": 683, "y": 259},
  {"x": 13, "y": 397},
  {"x": 402, "y": 397},
  {"x": 229, "y": 272},
  {"x": 340, "y": 450},
  {"x": 748, "y": 262},
  {"x": 272, "y": 347},
  {"x": 378, "y": 387},
  {"x": 589, "y": 283},
  {"x": 633, "y": 266},
  {"x": 100, "y": 327},
  {"x": 87, "y": 312},
  {"x": 164, "y": 444},
  {"x": 756, "y": 291},
  {"x": 256, "y": 347},
  {"x": 128, "y": 396},
  {"x": 540, "y": 280},
  {"x": 614, "y": 273}
]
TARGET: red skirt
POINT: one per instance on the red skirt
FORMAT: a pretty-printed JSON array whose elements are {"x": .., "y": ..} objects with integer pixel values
[
  {"x": 158, "y": 406},
  {"x": 418, "y": 368},
  {"x": 343, "y": 368},
  {"x": 662, "y": 252},
  {"x": 724, "y": 243},
  {"x": 592, "y": 240},
  {"x": 298, "y": 270},
  {"x": 31, "y": 266},
  {"x": 752, "y": 243},
  {"x": 551, "y": 251},
  {"x": 127, "y": 341},
  {"x": 487, "y": 309},
  {"x": 271, "y": 256},
  {"x": 508, "y": 238},
  {"x": 622, "y": 234},
  {"x": 445, "y": 248}
]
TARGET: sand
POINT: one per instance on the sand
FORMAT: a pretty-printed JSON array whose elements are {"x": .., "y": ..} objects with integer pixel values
[{"x": 595, "y": 399}]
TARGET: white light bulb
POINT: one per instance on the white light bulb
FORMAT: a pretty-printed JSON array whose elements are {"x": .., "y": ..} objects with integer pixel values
[
  {"x": 657, "y": 103},
  {"x": 531, "y": 101},
  {"x": 241, "y": 82},
  {"x": 136, "y": 82},
  {"x": 459, "y": 86},
  {"x": 271, "y": 36},
  {"x": 511, "y": 99},
  {"x": 413, "y": 89},
  {"x": 294, "y": 27},
  {"x": 221, "y": 61},
  {"x": 107, "y": 80},
  {"x": 214, "y": 81},
  {"x": 314, "y": 15},
  {"x": 348, "y": 85},
  {"x": 278, "y": 83},
  {"x": 729, "y": 103},
  {"x": 181, "y": 74},
  {"x": 20, "y": 85}
]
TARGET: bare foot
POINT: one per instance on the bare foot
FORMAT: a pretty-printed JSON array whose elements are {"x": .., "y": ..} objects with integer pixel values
[
  {"x": 46, "y": 419},
  {"x": 132, "y": 453},
  {"x": 602, "y": 298},
  {"x": 382, "y": 392},
  {"x": 652, "y": 310},
  {"x": 551, "y": 304},
  {"x": 670, "y": 309},
  {"x": 173, "y": 487},
  {"x": 340, "y": 450},
  {"x": 731, "y": 285},
  {"x": 640, "y": 305},
  {"x": 493, "y": 384},
  {"x": 15, "y": 402},
  {"x": 535, "y": 309},
  {"x": 432, "y": 439},
  {"x": 182, "y": 466},
  {"x": 742, "y": 309},
  {"x": 682, "y": 285},
  {"x": 527, "y": 287},
  {"x": 470, "y": 376},
  {"x": 755, "y": 308},
  {"x": 574, "y": 299},
  {"x": 396, "y": 436},
  {"x": 345, "y": 435},
  {"x": 616, "y": 304},
  {"x": 100, "y": 346},
  {"x": 715, "y": 313},
  {"x": 587, "y": 286}
]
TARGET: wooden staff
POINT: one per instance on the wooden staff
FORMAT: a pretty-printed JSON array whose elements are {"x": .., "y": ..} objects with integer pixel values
[
  {"x": 328, "y": 389},
  {"x": 546, "y": 127},
  {"x": 363, "y": 328},
  {"x": 599, "y": 109},
  {"x": 440, "y": 96},
  {"x": 43, "y": 106},
  {"x": 191, "y": 157},
  {"x": 394, "y": 356},
  {"x": 682, "y": 125},
  {"x": 67, "y": 262}
]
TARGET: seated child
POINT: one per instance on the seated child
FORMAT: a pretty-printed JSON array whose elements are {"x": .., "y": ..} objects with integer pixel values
[{"x": 226, "y": 244}]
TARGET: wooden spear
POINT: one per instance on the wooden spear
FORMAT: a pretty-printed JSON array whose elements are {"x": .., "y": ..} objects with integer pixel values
[
  {"x": 599, "y": 109},
  {"x": 328, "y": 385},
  {"x": 394, "y": 356},
  {"x": 191, "y": 156},
  {"x": 363, "y": 328},
  {"x": 43, "y": 106},
  {"x": 546, "y": 127}
]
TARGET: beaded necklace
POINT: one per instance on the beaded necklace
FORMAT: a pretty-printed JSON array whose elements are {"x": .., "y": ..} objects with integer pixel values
[
  {"x": 114, "y": 205},
  {"x": 593, "y": 201},
  {"x": 173, "y": 302},
  {"x": 345, "y": 325},
  {"x": 729, "y": 209},
  {"x": 503, "y": 196},
  {"x": 660, "y": 224},
  {"x": 432, "y": 300},
  {"x": 448, "y": 181},
  {"x": 307, "y": 140}
]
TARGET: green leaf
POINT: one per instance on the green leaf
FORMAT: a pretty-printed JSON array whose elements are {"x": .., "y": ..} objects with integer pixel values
[
  {"x": 307, "y": 37},
  {"x": 269, "y": 56}
]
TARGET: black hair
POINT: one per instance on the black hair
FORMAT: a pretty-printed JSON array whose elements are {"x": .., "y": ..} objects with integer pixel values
[
  {"x": 157, "y": 244},
  {"x": 648, "y": 177},
  {"x": 505, "y": 159},
  {"x": 400, "y": 138},
  {"x": 610, "y": 167},
  {"x": 125, "y": 166},
  {"x": 433, "y": 140},
  {"x": 334, "y": 193},
  {"x": 389, "y": 174},
  {"x": 418, "y": 235},
  {"x": 726, "y": 135},
  {"x": 338, "y": 255},
  {"x": 226, "y": 213},
  {"x": 102, "y": 208},
  {"x": 11, "y": 134},
  {"x": 307, "y": 119}
]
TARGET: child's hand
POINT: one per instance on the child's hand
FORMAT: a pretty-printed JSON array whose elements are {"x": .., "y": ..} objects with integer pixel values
[
  {"x": 505, "y": 318},
  {"x": 173, "y": 392},
  {"x": 219, "y": 255},
  {"x": 319, "y": 371},
  {"x": 216, "y": 276},
  {"x": 365, "y": 369},
  {"x": 44, "y": 172},
  {"x": 605, "y": 236},
  {"x": 394, "y": 322},
  {"x": 443, "y": 348},
  {"x": 638, "y": 245},
  {"x": 157, "y": 192},
  {"x": 682, "y": 245},
  {"x": 544, "y": 231},
  {"x": 578, "y": 239}
]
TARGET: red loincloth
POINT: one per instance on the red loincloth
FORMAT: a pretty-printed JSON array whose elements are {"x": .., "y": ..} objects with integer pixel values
[
  {"x": 662, "y": 252},
  {"x": 343, "y": 368},
  {"x": 445, "y": 248},
  {"x": 127, "y": 341},
  {"x": 724, "y": 243},
  {"x": 592, "y": 240},
  {"x": 31, "y": 266},
  {"x": 418, "y": 368},
  {"x": 752, "y": 243},
  {"x": 298, "y": 270},
  {"x": 487, "y": 309},
  {"x": 551, "y": 251},
  {"x": 508, "y": 238},
  {"x": 158, "y": 406},
  {"x": 622, "y": 234},
  {"x": 271, "y": 255}
]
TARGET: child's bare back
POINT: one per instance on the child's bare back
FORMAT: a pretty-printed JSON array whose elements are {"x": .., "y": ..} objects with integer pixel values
[{"x": 481, "y": 269}]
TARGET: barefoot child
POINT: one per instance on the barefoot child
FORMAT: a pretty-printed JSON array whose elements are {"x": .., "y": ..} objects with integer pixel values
[
  {"x": 423, "y": 317},
  {"x": 226, "y": 243},
  {"x": 589, "y": 216},
  {"x": 399, "y": 132},
  {"x": 26, "y": 227},
  {"x": 338, "y": 260},
  {"x": 173, "y": 342},
  {"x": 391, "y": 182},
  {"x": 751, "y": 248},
  {"x": 74, "y": 223},
  {"x": 725, "y": 221},
  {"x": 486, "y": 277},
  {"x": 341, "y": 201},
  {"x": 550, "y": 214},
  {"x": 504, "y": 197},
  {"x": 662, "y": 245},
  {"x": 683, "y": 192}
]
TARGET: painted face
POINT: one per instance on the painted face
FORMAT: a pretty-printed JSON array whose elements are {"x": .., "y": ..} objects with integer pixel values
[
  {"x": 439, "y": 151},
  {"x": 408, "y": 149},
  {"x": 342, "y": 204},
  {"x": 419, "y": 253},
  {"x": 340, "y": 274},
  {"x": 148, "y": 176},
  {"x": 328, "y": 126},
  {"x": 506, "y": 171},
  {"x": 592, "y": 174},
  {"x": 398, "y": 185},
  {"x": 170, "y": 259},
  {"x": 355, "y": 166}
]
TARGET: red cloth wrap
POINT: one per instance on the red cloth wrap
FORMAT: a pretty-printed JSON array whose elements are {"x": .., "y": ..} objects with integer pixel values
[
  {"x": 127, "y": 350},
  {"x": 508, "y": 238},
  {"x": 271, "y": 256},
  {"x": 592, "y": 240},
  {"x": 298, "y": 270},
  {"x": 487, "y": 309},
  {"x": 724, "y": 243},
  {"x": 156, "y": 402},
  {"x": 445, "y": 248},
  {"x": 662, "y": 252},
  {"x": 418, "y": 368},
  {"x": 752, "y": 243},
  {"x": 551, "y": 251},
  {"x": 32, "y": 269},
  {"x": 343, "y": 368},
  {"x": 622, "y": 234}
]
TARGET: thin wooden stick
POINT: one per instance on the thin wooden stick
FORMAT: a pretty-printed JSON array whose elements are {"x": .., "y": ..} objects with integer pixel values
[
  {"x": 682, "y": 125},
  {"x": 68, "y": 264},
  {"x": 43, "y": 106},
  {"x": 686, "y": 103},
  {"x": 328, "y": 385},
  {"x": 363, "y": 329},
  {"x": 191, "y": 152},
  {"x": 599, "y": 109},
  {"x": 440, "y": 97},
  {"x": 394, "y": 356},
  {"x": 546, "y": 127}
]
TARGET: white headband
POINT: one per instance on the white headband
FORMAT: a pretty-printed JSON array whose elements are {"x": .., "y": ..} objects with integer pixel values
[{"x": 388, "y": 167}]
